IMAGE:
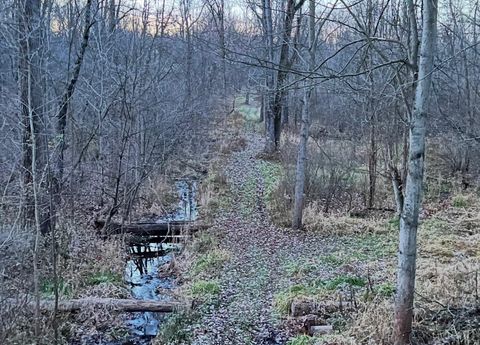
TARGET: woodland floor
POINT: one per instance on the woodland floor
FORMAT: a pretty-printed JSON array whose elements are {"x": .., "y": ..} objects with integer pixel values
[
  {"x": 244, "y": 273},
  {"x": 259, "y": 262},
  {"x": 259, "y": 254}
]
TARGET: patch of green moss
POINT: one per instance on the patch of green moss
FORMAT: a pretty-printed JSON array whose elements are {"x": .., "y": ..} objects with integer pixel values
[{"x": 272, "y": 173}]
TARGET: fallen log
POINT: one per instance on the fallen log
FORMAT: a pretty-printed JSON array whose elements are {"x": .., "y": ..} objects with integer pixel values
[
  {"x": 174, "y": 228},
  {"x": 120, "y": 305},
  {"x": 306, "y": 306}
]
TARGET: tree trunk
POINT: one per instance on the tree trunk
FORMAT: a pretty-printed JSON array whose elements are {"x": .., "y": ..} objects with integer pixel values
[
  {"x": 283, "y": 70},
  {"x": 372, "y": 161},
  {"x": 31, "y": 98},
  {"x": 301, "y": 163},
  {"x": 269, "y": 78},
  {"x": 414, "y": 184},
  {"x": 34, "y": 141},
  {"x": 300, "y": 173},
  {"x": 63, "y": 107},
  {"x": 121, "y": 305}
]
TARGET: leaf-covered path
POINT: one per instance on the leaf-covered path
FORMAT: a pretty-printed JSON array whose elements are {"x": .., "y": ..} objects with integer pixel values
[{"x": 260, "y": 256}]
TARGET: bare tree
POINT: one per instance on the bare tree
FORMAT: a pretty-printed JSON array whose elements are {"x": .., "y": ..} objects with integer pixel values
[
  {"x": 309, "y": 90},
  {"x": 31, "y": 98},
  {"x": 414, "y": 184}
]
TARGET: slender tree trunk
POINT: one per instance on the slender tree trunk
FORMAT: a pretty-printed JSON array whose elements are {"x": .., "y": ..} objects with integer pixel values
[
  {"x": 300, "y": 172},
  {"x": 301, "y": 162},
  {"x": 64, "y": 104},
  {"x": 31, "y": 99},
  {"x": 283, "y": 70},
  {"x": 372, "y": 161},
  {"x": 223, "y": 46},
  {"x": 112, "y": 16},
  {"x": 34, "y": 159},
  {"x": 414, "y": 185},
  {"x": 268, "y": 110}
]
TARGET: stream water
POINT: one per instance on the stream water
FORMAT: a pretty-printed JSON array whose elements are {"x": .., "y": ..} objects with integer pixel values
[{"x": 142, "y": 269}]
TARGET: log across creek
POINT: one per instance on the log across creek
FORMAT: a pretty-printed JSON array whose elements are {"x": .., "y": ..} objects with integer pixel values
[{"x": 173, "y": 228}]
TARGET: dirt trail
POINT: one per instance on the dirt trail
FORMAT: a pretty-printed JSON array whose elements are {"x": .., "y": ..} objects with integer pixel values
[{"x": 260, "y": 251}]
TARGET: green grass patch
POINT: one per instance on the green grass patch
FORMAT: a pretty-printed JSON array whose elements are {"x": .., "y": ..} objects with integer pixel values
[
  {"x": 301, "y": 340},
  {"x": 460, "y": 201},
  {"x": 300, "y": 269},
  {"x": 341, "y": 281},
  {"x": 283, "y": 300},
  {"x": 104, "y": 277},
  {"x": 304, "y": 267},
  {"x": 47, "y": 288},
  {"x": 371, "y": 247},
  {"x": 272, "y": 173},
  {"x": 250, "y": 112},
  {"x": 332, "y": 260},
  {"x": 435, "y": 226},
  {"x": 212, "y": 260},
  {"x": 205, "y": 289},
  {"x": 317, "y": 290},
  {"x": 394, "y": 223},
  {"x": 204, "y": 242},
  {"x": 385, "y": 289},
  {"x": 175, "y": 330}
]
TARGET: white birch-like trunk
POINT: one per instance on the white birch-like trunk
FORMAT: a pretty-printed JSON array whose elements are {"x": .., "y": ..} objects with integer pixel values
[{"x": 414, "y": 184}]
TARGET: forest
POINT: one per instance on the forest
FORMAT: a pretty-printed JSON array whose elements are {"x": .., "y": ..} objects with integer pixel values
[{"x": 244, "y": 172}]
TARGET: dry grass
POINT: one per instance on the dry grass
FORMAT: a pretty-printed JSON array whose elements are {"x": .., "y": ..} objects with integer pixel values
[
  {"x": 447, "y": 292},
  {"x": 87, "y": 267},
  {"x": 447, "y": 307},
  {"x": 340, "y": 225},
  {"x": 235, "y": 144},
  {"x": 212, "y": 194},
  {"x": 373, "y": 323},
  {"x": 159, "y": 195}
]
